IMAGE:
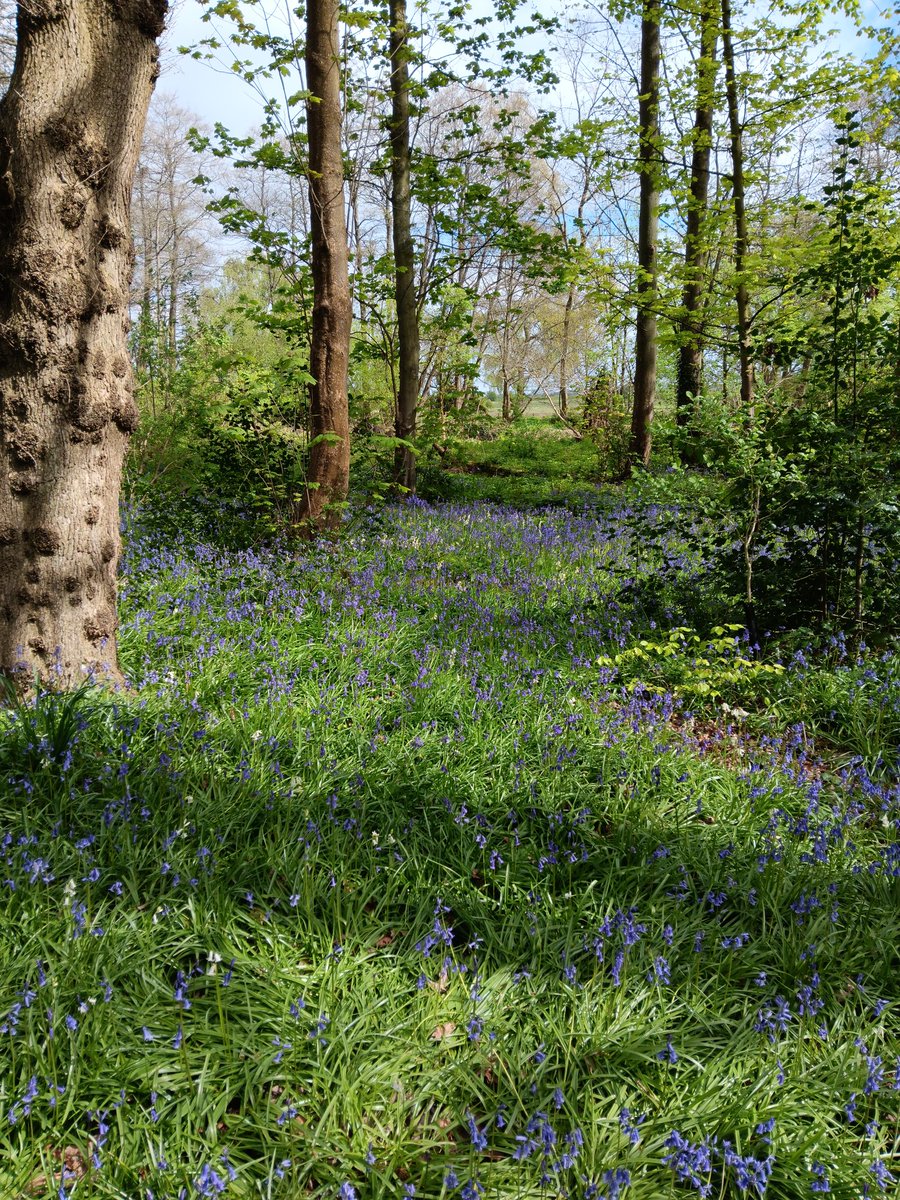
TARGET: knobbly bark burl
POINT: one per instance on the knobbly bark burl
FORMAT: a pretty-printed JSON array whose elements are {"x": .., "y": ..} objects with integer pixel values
[{"x": 70, "y": 132}]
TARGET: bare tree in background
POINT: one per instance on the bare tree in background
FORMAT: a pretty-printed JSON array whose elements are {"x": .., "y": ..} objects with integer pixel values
[
  {"x": 7, "y": 42},
  {"x": 174, "y": 236}
]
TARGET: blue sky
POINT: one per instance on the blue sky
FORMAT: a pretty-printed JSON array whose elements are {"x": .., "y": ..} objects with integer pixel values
[
  {"x": 211, "y": 91},
  {"x": 216, "y": 94}
]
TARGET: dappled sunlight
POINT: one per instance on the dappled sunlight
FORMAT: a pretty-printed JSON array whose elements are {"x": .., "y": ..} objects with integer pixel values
[{"x": 378, "y": 880}]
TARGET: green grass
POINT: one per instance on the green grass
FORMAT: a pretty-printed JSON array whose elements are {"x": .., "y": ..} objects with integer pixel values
[
  {"x": 230, "y": 893},
  {"x": 529, "y": 463}
]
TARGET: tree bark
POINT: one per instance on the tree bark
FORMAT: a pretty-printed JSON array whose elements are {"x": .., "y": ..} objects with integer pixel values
[
  {"x": 570, "y": 299},
  {"x": 564, "y": 352},
  {"x": 741, "y": 295},
  {"x": 328, "y": 478},
  {"x": 70, "y": 133},
  {"x": 404, "y": 251},
  {"x": 645, "y": 349},
  {"x": 174, "y": 281},
  {"x": 696, "y": 256}
]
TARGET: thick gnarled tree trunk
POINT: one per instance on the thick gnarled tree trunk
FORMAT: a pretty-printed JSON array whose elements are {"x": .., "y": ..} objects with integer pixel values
[
  {"x": 329, "y": 459},
  {"x": 70, "y": 133}
]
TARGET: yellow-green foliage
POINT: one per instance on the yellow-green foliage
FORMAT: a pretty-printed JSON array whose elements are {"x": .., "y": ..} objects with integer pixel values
[{"x": 683, "y": 662}]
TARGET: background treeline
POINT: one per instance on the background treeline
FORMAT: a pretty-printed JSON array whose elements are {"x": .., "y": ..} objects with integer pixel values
[{"x": 645, "y": 237}]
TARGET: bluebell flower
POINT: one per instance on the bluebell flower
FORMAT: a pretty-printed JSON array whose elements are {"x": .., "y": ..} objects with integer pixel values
[
  {"x": 883, "y": 1176},
  {"x": 280, "y": 1047},
  {"x": 616, "y": 1181},
  {"x": 766, "y": 1127},
  {"x": 875, "y": 1074},
  {"x": 631, "y": 1128},
  {"x": 661, "y": 971},
  {"x": 210, "y": 1182},
  {"x": 820, "y": 1179},
  {"x": 317, "y": 1033},
  {"x": 668, "y": 1055},
  {"x": 477, "y": 1137},
  {"x": 691, "y": 1163}
]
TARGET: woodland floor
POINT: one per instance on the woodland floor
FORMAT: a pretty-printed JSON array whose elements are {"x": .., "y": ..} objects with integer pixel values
[{"x": 434, "y": 864}]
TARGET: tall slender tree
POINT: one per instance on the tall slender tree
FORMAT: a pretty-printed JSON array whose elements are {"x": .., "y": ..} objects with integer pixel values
[
  {"x": 738, "y": 192},
  {"x": 329, "y": 460},
  {"x": 696, "y": 255},
  {"x": 70, "y": 132},
  {"x": 645, "y": 347},
  {"x": 406, "y": 292}
]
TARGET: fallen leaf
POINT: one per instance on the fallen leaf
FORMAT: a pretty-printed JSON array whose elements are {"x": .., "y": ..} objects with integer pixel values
[
  {"x": 74, "y": 1170},
  {"x": 443, "y": 1031},
  {"x": 441, "y": 984},
  {"x": 74, "y": 1162}
]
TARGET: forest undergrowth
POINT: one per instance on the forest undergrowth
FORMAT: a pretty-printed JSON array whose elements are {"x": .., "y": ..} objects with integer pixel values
[{"x": 466, "y": 857}]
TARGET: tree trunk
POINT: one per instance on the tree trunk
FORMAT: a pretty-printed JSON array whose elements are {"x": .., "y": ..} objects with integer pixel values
[
  {"x": 742, "y": 298},
  {"x": 696, "y": 255},
  {"x": 404, "y": 252},
  {"x": 506, "y": 366},
  {"x": 564, "y": 353},
  {"x": 174, "y": 281},
  {"x": 70, "y": 132},
  {"x": 570, "y": 299},
  {"x": 329, "y": 458},
  {"x": 648, "y": 229}
]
